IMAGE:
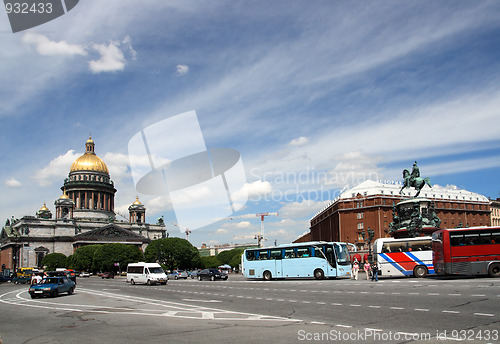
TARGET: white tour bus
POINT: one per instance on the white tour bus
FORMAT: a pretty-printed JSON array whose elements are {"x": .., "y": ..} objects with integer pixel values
[
  {"x": 404, "y": 257},
  {"x": 148, "y": 273}
]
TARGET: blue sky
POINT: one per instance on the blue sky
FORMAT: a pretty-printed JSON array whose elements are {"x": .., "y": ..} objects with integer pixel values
[{"x": 314, "y": 96}]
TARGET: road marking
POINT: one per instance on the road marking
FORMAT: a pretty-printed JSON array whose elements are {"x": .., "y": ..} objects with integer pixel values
[
  {"x": 317, "y": 322},
  {"x": 413, "y": 293},
  {"x": 432, "y": 294},
  {"x": 345, "y": 326},
  {"x": 336, "y": 304},
  {"x": 321, "y": 303},
  {"x": 355, "y": 305},
  {"x": 374, "y": 306},
  {"x": 452, "y": 312},
  {"x": 454, "y": 294},
  {"x": 396, "y": 307},
  {"x": 421, "y": 309},
  {"x": 485, "y": 314},
  {"x": 478, "y": 295},
  {"x": 207, "y": 301}
]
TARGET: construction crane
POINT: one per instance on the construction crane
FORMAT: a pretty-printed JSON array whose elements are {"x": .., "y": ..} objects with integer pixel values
[
  {"x": 183, "y": 230},
  {"x": 260, "y": 236}
]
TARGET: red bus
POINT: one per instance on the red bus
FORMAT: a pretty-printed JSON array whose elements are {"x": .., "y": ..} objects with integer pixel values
[{"x": 467, "y": 251}]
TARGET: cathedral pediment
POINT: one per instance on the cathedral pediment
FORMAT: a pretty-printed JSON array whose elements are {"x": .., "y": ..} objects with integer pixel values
[{"x": 108, "y": 232}]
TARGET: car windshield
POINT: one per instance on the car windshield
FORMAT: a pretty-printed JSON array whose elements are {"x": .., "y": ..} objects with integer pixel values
[
  {"x": 156, "y": 270},
  {"x": 51, "y": 281}
]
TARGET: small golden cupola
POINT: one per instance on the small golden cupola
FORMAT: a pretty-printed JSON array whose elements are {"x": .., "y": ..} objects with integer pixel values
[{"x": 44, "y": 212}]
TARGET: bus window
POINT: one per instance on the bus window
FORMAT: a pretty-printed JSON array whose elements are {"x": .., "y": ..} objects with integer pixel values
[
  {"x": 251, "y": 255},
  {"x": 302, "y": 252},
  {"x": 276, "y": 254},
  {"x": 495, "y": 237},
  {"x": 456, "y": 239},
  {"x": 318, "y": 252},
  {"x": 263, "y": 255},
  {"x": 342, "y": 254},
  {"x": 289, "y": 253}
]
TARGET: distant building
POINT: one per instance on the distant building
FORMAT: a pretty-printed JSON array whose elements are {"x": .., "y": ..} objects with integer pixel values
[
  {"x": 84, "y": 215},
  {"x": 495, "y": 212},
  {"x": 207, "y": 251},
  {"x": 370, "y": 205}
]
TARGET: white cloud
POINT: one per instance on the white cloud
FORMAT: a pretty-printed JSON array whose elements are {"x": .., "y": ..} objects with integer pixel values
[
  {"x": 221, "y": 231},
  {"x": 13, "y": 183},
  {"x": 306, "y": 208},
  {"x": 353, "y": 168},
  {"x": 128, "y": 43},
  {"x": 111, "y": 60},
  {"x": 56, "y": 170},
  {"x": 299, "y": 141},
  {"x": 252, "y": 190},
  {"x": 45, "y": 46},
  {"x": 181, "y": 69},
  {"x": 117, "y": 164}
]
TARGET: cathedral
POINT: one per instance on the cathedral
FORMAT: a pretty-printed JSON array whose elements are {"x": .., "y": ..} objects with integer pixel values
[{"x": 84, "y": 215}]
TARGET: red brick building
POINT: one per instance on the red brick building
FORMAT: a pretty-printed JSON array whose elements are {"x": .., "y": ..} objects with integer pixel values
[{"x": 369, "y": 205}]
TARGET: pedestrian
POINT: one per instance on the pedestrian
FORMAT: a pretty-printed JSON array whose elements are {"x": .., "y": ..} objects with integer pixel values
[
  {"x": 367, "y": 269},
  {"x": 374, "y": 271},
  {"x": 355, "y": 269}
]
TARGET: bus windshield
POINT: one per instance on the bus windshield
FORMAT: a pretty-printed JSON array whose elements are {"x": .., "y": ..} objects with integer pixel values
[{"x": 342, "y": 254}]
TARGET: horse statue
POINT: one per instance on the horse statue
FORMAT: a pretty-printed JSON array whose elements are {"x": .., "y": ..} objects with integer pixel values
[{"x": 411, "y": 181}]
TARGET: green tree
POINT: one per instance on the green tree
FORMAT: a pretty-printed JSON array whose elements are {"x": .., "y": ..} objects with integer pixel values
[
  {"x": 209, "y": 262},
  {"x": 236, "y": 260},
  {"x": 54, "y": 260},
  {"x": 84, "y": 257},
  {"x": 174, "y": 253},
  {"x": 225, "y": 257},
  {"x": 106, "y": 256}
]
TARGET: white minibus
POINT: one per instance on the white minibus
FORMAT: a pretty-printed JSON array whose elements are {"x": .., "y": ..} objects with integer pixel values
[{"x": 148, "y": 273}]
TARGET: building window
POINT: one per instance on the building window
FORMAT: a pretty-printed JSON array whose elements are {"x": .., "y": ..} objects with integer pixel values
[
  {"x": 360, "y": 216},
  {"x": 360, "y": 226}
]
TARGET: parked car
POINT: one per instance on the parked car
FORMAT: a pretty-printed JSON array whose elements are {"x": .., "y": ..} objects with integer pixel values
[
  {"x": 84, "y": 274},
  {"x": 108, "y": 275},
  {"x": 52, "y": 286},
  {"x": 193, "y": 273},
  {"x": 211, "y": 274},
  {"x": 178, "y": 274}
]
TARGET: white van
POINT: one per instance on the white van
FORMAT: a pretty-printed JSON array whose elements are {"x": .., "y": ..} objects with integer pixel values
[{"x": 149, "y": 273}]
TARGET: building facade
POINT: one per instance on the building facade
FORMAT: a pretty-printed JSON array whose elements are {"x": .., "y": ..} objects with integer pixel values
[
  {"x": 370, "y": 205},
  {"x": 84, "y": 215},
  {"x": 495, "y": 212}
]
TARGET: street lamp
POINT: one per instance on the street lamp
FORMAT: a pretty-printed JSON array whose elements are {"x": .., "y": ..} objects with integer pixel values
[{"x": 370, "y": 238}]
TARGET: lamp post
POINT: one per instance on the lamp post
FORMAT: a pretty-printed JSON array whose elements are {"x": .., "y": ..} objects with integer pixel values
[{"x": 370, "y": 238}]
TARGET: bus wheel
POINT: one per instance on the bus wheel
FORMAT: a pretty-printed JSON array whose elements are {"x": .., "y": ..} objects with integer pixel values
[
  {"x": 494, "y": 270},
  {"x": 420, "y": 271},
  {"x": 267, "y": 275},
  {"x": 319, "y": 274}
]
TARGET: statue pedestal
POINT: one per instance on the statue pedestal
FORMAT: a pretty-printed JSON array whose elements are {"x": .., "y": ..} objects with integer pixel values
[{"x": 413, "y": 218}]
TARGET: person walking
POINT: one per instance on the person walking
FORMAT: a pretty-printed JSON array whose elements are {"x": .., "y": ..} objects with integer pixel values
[
  {"x": 374, "y": 271},
  {"x": 355, "y": 269},
  {"x": 367, "y": 269}
]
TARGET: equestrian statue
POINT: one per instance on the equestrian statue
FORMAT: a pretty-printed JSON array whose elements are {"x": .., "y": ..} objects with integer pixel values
[{"x": 414, "y": 180}]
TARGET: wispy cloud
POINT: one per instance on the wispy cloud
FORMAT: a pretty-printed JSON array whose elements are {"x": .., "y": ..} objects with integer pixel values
[
  {"x": 181, "y": 69},
  {"x": 111, "y": 59},
  {"x": 44, "y": 46},
  {"x": 13, "y": 183}
]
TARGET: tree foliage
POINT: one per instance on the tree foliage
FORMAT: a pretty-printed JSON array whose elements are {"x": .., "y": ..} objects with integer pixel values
[
  {"x": 54, "y": 260},
  {"x": 106, "y": 256},
  {"x": 226, "y": 257},
  {"x": 209, "y": 262},
  {"x": 174, "y": 253},
  {"x": 83, "y": 257}
]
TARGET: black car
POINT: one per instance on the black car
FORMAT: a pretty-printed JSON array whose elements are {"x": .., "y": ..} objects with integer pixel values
[
  {"x": 211, "y": 274},
  {"x": 108, "y": 275}
]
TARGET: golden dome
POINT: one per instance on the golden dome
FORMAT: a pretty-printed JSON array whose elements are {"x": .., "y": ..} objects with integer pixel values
[
  {"x": 44, "y": 208},
  {"x": 137, "y": 202},
  {"x": 64, "y": 196},
  {"x": 89, "y": 161}
]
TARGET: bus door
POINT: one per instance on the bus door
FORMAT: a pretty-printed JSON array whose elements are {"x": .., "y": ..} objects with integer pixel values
[
  {"x": 276, "y": 257},
  {"x": 329, "y": 262}
]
